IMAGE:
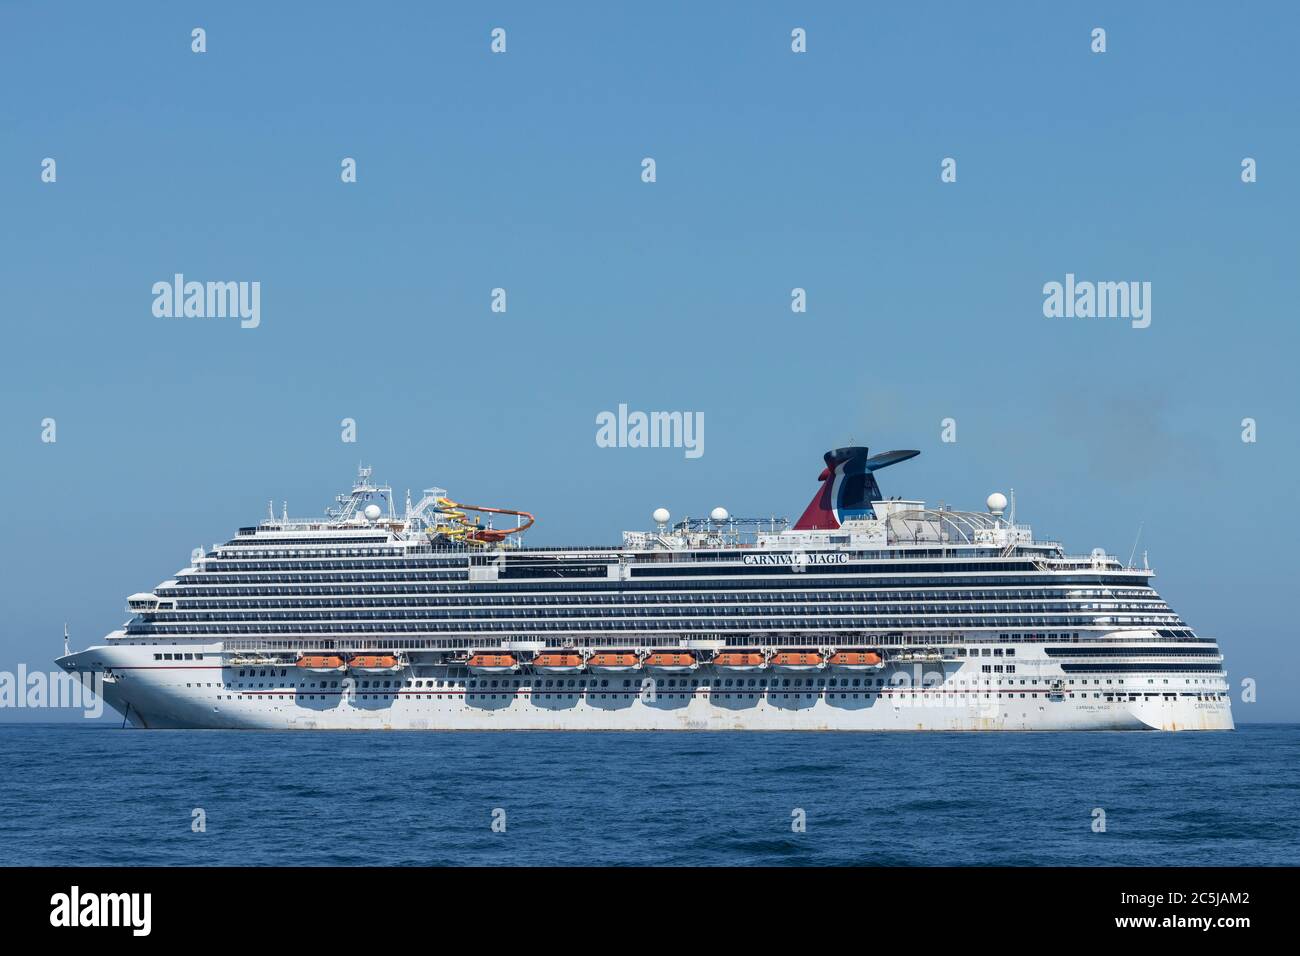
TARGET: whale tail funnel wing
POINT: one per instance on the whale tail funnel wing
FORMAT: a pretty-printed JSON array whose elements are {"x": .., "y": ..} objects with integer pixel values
[{"x": 848, "y": 487}]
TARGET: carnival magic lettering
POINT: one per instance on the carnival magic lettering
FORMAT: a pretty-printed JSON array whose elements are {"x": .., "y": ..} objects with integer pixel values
[{"x": 832, "y": 557}]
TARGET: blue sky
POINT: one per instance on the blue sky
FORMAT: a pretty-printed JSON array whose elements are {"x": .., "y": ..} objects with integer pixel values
[{"x": 775, "y": 171}]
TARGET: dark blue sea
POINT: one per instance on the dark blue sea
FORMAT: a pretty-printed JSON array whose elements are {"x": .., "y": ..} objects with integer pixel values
[{"x": 89, "y": 795}]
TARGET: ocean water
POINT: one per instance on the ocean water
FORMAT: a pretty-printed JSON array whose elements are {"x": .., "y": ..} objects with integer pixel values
[{"x": 91, "y": 795}]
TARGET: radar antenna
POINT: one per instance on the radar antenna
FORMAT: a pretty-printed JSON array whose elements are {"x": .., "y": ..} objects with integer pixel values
[{"x": 1132, "y": 553}]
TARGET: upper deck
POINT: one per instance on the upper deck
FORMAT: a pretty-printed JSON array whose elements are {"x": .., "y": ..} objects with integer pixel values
[{"x": 847, "y": 523}]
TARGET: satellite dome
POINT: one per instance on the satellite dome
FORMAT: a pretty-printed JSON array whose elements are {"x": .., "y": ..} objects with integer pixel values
[
  {"x": 661, "y": 516},
  {"x": 719, "y": 514},
  {"x": 372, "y": 512},
  {"x": 997, "y": 502}
]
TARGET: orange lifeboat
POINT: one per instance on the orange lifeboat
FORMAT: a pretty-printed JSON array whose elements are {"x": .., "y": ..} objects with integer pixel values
[
  {"x": 798, "y": 662},
  {"x": 557, "y": 662},
  {"x": 613, "y": 662},
  {"x": 673, "y": 662},
  {"x": 739, "y": 661},
  {"x": 322, "y": 663},
  {"x": 857, "y": 661},
  {"x": 375, "y": 663},
  {"x": 493, "y": 664}
]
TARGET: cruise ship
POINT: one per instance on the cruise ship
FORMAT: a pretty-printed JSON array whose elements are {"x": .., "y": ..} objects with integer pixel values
[{"x": 867, "y": 613}]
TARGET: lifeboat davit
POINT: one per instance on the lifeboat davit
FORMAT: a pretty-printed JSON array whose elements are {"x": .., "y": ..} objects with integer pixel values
[
  {"x": 557, "y": 662},
  {"x": 739, "y": 661},
  {"x": 322, "y": 663},
  {"x": 608, "y": 662},
  {"x": 672, "y": 662},
  {"x": 798, "y": 662},
  {"x": 856, "y": 661},
  {"x": 375, "y": 663},
  {"x": 493, "y": 664},
  {"x": 253, "y": 660}
]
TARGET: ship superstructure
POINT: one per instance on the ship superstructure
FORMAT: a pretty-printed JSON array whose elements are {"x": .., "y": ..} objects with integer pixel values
[{"x": 867, "y": 614}]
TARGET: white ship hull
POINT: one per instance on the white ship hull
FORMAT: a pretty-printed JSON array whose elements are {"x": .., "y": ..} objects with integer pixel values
[{"x": 202, "y": 697}]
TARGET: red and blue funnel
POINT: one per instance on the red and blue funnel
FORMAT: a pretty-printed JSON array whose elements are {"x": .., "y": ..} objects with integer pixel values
[{"x": 848, "y": 488}]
